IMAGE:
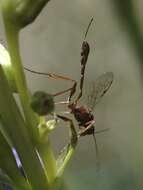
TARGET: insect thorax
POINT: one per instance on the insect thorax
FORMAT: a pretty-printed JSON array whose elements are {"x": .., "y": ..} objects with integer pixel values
[{"x": 82, "y": 115}]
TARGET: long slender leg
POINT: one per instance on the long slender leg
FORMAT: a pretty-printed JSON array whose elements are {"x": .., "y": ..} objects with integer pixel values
[
  {"x": 84, "y": 131},
  {"x": 68, "y": 150},
  {"x": 72, "y": 89},
  {"x": 72, "y": 92},
  {"x": 89, "y": 125},
  {"x": 64, "y": 112},
  {"x": 74, "y": 137},
  {"x": 62, "y": 102}
]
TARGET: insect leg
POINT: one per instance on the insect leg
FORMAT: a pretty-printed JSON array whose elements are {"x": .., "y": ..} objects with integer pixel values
[
  {"x": 62, "y": 102},
  {"x": 83, "y": 131},
  {"x": 68, "y": 150},
  {"x": 64, "y": 112},
  {"x": 89, "y": 125},
  {"x": 74, "y": 137},
  {"x": 72, "y": 89}
]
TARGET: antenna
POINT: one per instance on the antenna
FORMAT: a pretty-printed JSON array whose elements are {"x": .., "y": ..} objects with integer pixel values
[
  {"x": 88, "y": 28},
  {"x": 85, "y": 49}
]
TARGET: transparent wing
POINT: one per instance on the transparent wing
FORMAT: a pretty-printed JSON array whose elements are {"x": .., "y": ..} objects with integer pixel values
[{"x": 99, "y": 88}]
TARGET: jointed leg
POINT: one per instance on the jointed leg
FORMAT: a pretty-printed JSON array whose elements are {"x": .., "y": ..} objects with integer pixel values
[
  {"x": 84, "y": 131},
  {"x": 73, "y": 138},
  {"x": 58, "y": 77},
  {"x": 69, "y": 149},
  {"x": 62, "y": 102},
  {"x": 64, "y": 112},
  {"x": 72, "y": 91}
]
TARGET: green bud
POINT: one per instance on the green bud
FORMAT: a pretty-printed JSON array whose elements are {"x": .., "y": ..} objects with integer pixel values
[
  {"x": 42, "y": 103},
  {"x": 7, "y": 67},
  {"x": 22, "y": 12}
]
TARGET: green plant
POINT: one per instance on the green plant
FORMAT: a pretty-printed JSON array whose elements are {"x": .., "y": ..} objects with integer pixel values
[{"x": 26, "y": 132}]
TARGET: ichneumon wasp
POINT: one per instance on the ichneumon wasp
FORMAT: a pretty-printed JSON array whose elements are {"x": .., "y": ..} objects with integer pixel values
[{"x": 83, "y": 115}]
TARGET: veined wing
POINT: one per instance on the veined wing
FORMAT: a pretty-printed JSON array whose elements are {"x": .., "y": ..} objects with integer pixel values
[{"x": 99, "y": 88}]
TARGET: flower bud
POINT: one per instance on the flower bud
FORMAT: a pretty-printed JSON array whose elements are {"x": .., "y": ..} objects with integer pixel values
[
  {"x": 22, "y": 12},
  {"x": 42, "y": 103}
]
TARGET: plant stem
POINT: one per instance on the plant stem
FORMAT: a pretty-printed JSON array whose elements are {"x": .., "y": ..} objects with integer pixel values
[
  {"x": 66, "y": 160},
  {"x": 31, "y": 163},
  {"x": 12, "y": 34},
  {"x": 48, "y": 159}
]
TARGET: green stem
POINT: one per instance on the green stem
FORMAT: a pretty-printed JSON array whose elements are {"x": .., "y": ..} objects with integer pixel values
[
  {"x": 12, "y": 33},
  {"x": 31, "y": 119},
  {"x": 32, "y": 164},
  {"x": 66, "y": 160},
  {"x": 48, "y": 159},
  {"x": 45, "y": 150},
  {"x": 58, "y": 184}
]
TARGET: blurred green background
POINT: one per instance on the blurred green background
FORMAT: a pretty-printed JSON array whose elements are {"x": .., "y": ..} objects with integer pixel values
[{"x": 52, "y": 43}]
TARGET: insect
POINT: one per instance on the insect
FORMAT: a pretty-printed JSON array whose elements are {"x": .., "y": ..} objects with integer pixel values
[{"x": 83, "y": 115}]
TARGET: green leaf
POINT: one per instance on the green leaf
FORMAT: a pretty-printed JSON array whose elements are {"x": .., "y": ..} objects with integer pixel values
[
  {"x": 15, "y": 132},
  {"x": 32, "y": 119},
  {"x": 6, "y": 180},
  {"x": 9, "y": 166}
]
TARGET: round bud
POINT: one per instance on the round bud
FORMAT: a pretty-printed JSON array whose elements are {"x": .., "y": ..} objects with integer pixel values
[{"x": 42, "y": 103}]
